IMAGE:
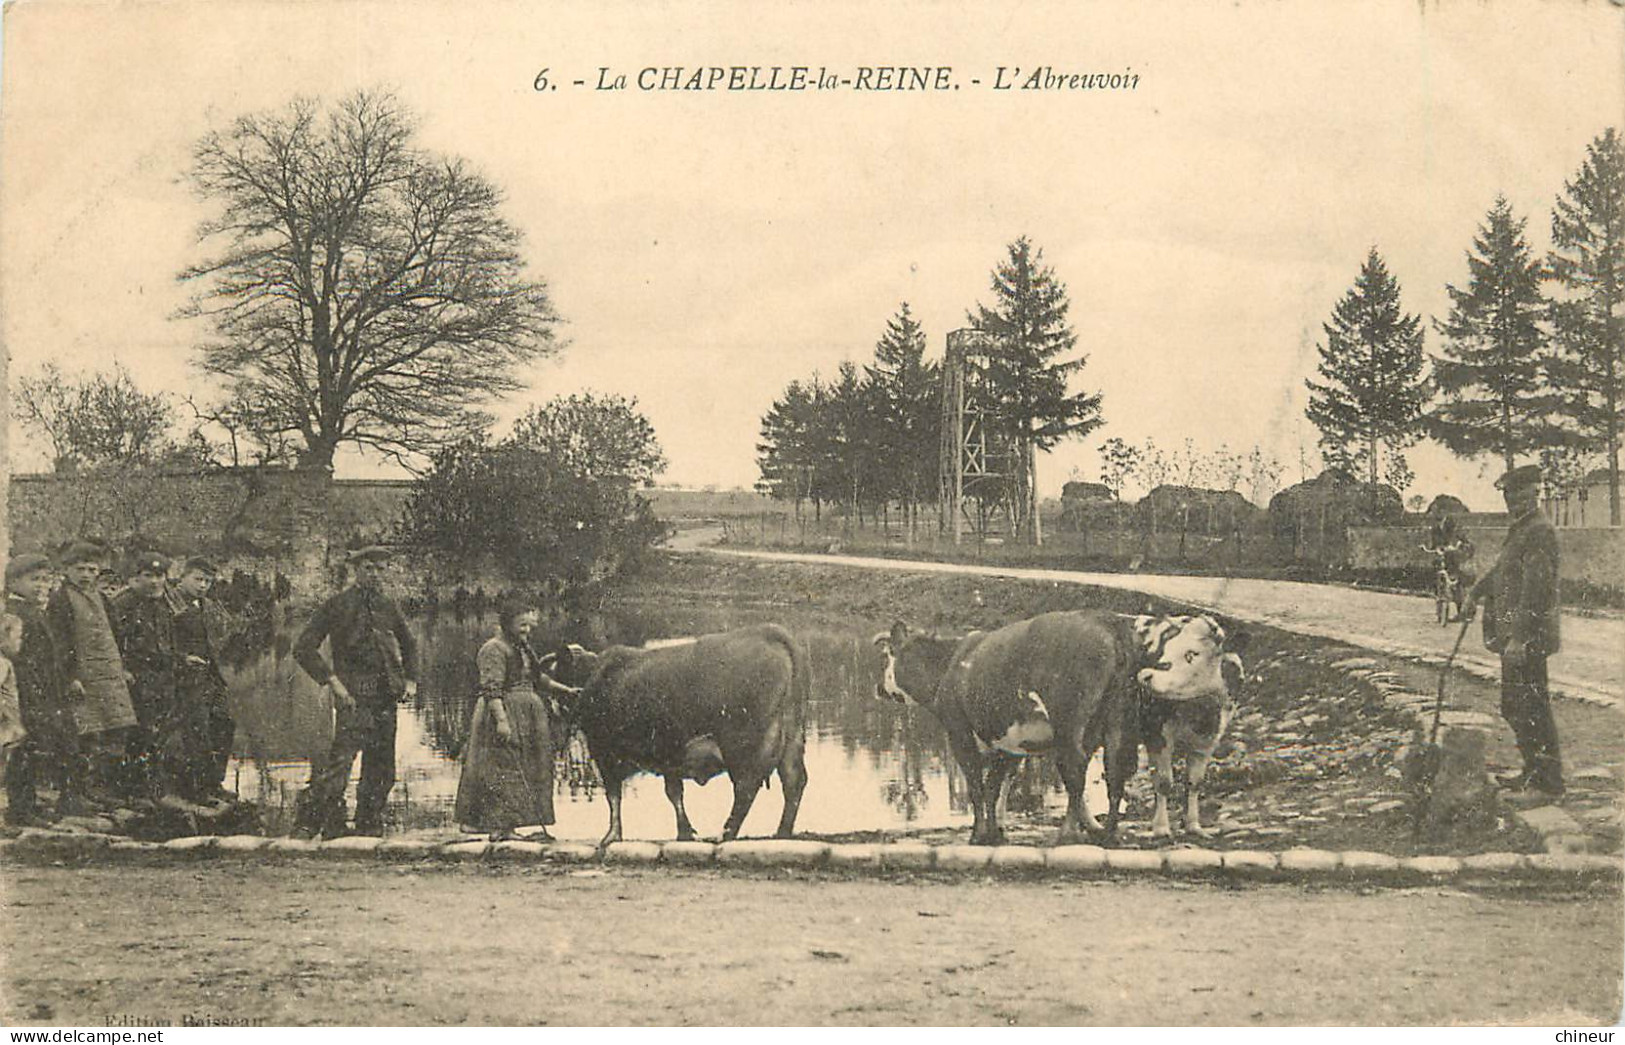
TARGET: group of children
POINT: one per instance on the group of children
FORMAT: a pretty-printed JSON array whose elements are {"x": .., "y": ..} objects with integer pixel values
[{"x": 117, "y": 702}]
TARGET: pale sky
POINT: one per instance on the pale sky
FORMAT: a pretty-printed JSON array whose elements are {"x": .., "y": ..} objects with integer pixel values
[{"x": 708, "y": 248}]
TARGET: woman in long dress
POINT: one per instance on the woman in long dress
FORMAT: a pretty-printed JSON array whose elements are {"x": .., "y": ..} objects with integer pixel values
[{"x": 507, "y": 777}]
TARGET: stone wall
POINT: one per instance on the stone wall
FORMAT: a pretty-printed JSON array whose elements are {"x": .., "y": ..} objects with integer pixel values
[
  {"x": 366, "y": 511},
  {"x": 1592, "y": 556},
  {"x": 261, "y": 520}
]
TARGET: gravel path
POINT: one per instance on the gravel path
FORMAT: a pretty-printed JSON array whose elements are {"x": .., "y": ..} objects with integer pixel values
[{"x": 307, "y": 942}]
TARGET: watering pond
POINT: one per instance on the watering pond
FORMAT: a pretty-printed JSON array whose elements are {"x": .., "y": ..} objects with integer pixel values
[{"x": 872, "y": 765}]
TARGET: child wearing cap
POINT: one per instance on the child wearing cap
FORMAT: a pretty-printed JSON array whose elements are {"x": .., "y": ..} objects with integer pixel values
[
  {"x": 89, "y": 666},
  {"x": 51, "y": 748},
  {"x": 200, "y": 686},
  {"x": 144, "y": 624}
]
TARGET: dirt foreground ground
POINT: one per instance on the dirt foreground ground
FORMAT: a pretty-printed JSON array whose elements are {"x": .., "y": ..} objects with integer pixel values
[{"x": 302, "y": 942}]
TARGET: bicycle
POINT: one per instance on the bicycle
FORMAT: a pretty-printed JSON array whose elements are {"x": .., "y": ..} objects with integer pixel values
[{"x": 1446, "y": 586}]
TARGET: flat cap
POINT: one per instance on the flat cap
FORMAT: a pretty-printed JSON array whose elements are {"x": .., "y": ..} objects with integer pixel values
[
  {"x": 199, "y": 564},
  {"x": 83, "y": 551},
  {"x": 1519, "y": 478},
  {"x": 151, "y": 562},
  {"x": 26, "y": 565},
  {"x": 371, "y": 553}
]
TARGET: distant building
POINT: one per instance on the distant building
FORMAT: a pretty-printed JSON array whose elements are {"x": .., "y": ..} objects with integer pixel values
[{"x": 1584, "y": 506}]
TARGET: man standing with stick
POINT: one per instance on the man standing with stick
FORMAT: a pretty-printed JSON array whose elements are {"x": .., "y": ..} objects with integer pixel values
[
  {"x": 374, "y": 663},
  {"x": 1521, "y": 611}
]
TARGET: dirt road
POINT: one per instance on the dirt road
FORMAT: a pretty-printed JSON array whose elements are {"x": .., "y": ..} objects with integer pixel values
[
  {"x": 303, "y": 942},
  {"x": 1590, "y": 666}
]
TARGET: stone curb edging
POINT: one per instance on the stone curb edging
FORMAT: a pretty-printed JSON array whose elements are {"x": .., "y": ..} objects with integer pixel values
[{"x": 1292, "y": 865}]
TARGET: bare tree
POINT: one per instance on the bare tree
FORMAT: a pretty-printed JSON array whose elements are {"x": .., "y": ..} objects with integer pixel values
[
  {"x": 1119, "y": 461},
  {"x": 101, "y": 419},
  {"x": 364, "y": 291},
  {"x": 252, "y": 437},
  {"x": 1263, "y": 476}
]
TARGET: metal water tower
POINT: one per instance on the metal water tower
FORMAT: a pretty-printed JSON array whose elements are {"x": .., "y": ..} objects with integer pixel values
[{"x": 971, "y": 464}]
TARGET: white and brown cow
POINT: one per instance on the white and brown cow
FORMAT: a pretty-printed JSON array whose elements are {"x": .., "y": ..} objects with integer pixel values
[
  {"x": 1068, "y": 683},
  {"x": 1181, "y": 711}
]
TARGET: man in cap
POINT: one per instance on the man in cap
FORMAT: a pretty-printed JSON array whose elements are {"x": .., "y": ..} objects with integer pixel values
[
  {"x": 144, "y": 622},
  {"x": 52, "y": 743},
  {"x": 374, "y": 662},
  {"x": 88, "y": 664},
  {"x": 200, "y": 687},
  {"x": 1521, "y": 610}
]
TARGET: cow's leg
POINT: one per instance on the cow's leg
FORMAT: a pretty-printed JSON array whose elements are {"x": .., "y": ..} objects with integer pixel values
[
  {"x": 970, "y": 760},
  {"x": 674, "y": 795},
  {"x": 1072, "y": 759},
  {"x": 1122, "y": 756},
  {"x": 1162, "y": 779},
  {"x": 998, "y": 770},
  {"x": 1195, "y": 770},
  {"x": 793, "y": 778},
  {"x": 745, "y": 787},
  {"x": 612, "y": 776}
]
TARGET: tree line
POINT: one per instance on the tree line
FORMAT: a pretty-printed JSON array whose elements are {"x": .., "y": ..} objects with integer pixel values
[
  {"x": 358, "y": 289},
  {"x": 1530, "y": 363},
  {"x": 1529, "y": 366},
  {"x": 872, "y": 438}
]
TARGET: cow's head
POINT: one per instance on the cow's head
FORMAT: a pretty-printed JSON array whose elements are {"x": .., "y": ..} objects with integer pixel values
[
  {"x": 570, "y": 665},
  {"x": 1189, "y": 658},
  {"x": 914, "y": 665}
]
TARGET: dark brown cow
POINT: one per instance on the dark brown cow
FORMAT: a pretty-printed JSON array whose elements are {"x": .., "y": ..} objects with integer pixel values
[
  {"x": 734, "y": 702},
  {"x": 1067, "y": 682}
]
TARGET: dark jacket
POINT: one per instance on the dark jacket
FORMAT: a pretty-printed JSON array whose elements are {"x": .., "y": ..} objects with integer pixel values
[
  {"x": 1520, "y": 592},
  {"x": 145, "y": 627},
  {"x": 39, "y": 687},
  {"x": 200, "y": 631},
  {"x": 358, "y": 627}
]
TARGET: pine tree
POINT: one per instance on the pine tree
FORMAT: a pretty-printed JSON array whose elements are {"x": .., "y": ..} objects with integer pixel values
[
  {"x": 851, "y": 448},
  {"x": 907, "y": 391},
  {"x": 1587, "y": 260},
  {"x": 1374, "y": 389},
  {"x": 1492, "y": 372},
  {"x": 1029, "y": 370},
  {"x": 784, "y": 456}
]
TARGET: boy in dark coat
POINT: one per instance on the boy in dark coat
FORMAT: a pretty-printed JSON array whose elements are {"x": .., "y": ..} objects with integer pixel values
[
  {"x": 52, "y": 744},
  {"x": 144, "y": 622},
  {"x": 200, "y": 686}
]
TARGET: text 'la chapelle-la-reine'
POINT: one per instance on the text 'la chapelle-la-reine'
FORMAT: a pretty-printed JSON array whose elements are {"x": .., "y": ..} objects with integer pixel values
[{"x": 802, "y": 78}]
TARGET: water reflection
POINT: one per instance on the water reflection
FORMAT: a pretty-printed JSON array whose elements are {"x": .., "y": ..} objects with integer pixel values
[{"x": 872, "y": 765}]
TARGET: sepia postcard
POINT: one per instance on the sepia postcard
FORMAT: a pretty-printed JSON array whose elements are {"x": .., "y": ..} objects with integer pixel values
[{"x": 731, "y": 514}]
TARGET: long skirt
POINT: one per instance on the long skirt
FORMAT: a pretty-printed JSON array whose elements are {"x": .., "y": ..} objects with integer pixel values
[{"x": 507, "y": 784}]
